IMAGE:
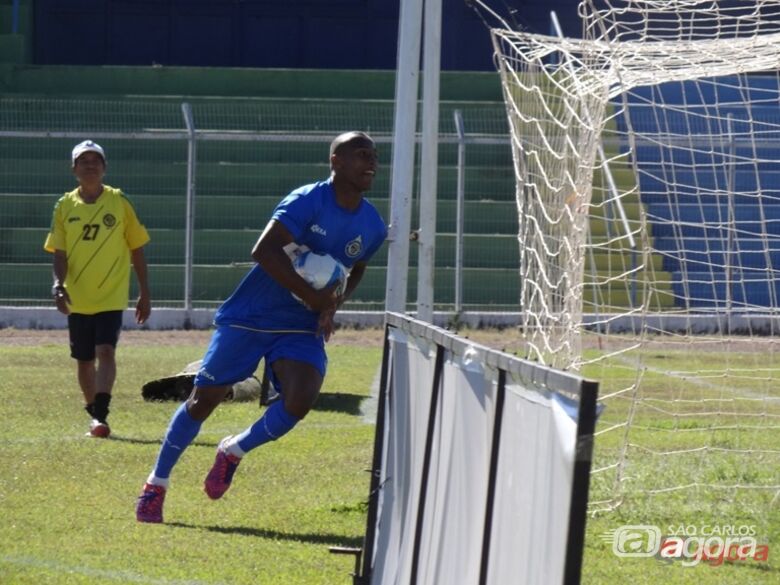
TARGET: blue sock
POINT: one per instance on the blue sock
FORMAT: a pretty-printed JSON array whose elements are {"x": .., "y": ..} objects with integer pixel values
[
  {"x": 181, "y": 432},
  {"x": 273, "y": 424}
]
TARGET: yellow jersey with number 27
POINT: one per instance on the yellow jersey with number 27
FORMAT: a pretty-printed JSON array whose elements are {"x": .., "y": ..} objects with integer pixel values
[{"x": 97, "y": 238}]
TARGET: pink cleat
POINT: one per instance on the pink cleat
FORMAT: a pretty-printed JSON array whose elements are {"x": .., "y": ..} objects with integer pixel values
[
  {"x": 221, "y": 475},
  {"x": 98, "y": 429},
  {"x": 150, "y": 504}
]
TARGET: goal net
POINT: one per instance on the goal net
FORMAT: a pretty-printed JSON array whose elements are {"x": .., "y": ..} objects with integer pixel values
[{"x": 647, "y": 159}]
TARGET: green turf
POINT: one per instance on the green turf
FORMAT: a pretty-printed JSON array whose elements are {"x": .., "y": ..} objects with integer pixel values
[
  {"x": 691, "y": 407},
  {"x": 67, "y": 501}
]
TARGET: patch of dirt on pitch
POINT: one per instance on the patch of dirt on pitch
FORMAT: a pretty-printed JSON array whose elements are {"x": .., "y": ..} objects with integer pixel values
[{"x": 11, "y": 336}]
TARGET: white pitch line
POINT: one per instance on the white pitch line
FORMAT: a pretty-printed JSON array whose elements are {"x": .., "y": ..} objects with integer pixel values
[
  {"x": 368, "y": 406},
  {"x": 121, "y": 576},
  {"x": 702, "y": 383},
  {"x": 213, "y": 435}
]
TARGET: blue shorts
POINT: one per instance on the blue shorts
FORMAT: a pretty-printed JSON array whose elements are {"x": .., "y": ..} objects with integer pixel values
[{"x": 235, "y": 352}]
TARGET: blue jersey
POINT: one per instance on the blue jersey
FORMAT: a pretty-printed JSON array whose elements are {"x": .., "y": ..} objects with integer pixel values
[{"x": 318, "y": 223}]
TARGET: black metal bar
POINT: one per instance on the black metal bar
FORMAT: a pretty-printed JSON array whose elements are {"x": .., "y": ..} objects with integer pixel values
[
  {"x": 432, "y": 416},
  {"x": 376, "y": 464},
  {"x": 578, "y": 511},
  {"x": 492, "y": 474},
  {"x": 348, "y": 550}
]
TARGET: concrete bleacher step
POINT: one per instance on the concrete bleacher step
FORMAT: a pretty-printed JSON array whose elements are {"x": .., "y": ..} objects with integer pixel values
[
  {"x": 230, "y": 216},
  {"x": 225, "y": 246},
  {"x": 483, "y": 287},
  {"x": 311, "y": 118},
  {"x": 13, "y": 48},
  {"x": 251, "y": 212},
  {"x": 227, "y": 178},
  {"x": 76, "y": 81},
  {"x": 23, "y": 210},
  {"x": 215, "y": 283},
  {"x": 54, "y": 153},
  {"x": 239, "y": 183}
]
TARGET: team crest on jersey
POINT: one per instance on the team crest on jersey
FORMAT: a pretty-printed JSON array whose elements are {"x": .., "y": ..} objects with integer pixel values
[
  {"x": 109, "y": 220},
  {"x": 354, "y": 248}
]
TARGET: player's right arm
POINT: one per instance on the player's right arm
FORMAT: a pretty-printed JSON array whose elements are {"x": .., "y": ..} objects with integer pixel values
[
  {"x": 60, "y": 268},
  {"x": 55, "y": 243},
  {"x": 269, "y": 253}
]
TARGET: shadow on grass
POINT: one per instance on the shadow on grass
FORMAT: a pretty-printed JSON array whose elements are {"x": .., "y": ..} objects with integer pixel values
[
  {"x": 339, "y": 402},
  {"x": 325, "y": 539}
]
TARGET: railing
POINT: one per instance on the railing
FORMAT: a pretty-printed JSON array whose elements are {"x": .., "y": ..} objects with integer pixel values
[{"x": 194, "y": 150}]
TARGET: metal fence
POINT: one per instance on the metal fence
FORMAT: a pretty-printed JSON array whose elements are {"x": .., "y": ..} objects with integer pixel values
[{"x": 205, "y": 174}]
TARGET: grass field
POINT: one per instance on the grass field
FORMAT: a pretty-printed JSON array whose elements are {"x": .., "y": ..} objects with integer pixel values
[{"x": 67, "y": 501}]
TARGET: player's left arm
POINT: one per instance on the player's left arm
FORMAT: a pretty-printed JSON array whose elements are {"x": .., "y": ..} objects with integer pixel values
[
  {"x": 326, "y": 323},
  {"x": 355, "y": 275},
  {"x": 143, "y": 306},
  {"x": 136, "y": 237},
  {"x": 61, "y": 295}
]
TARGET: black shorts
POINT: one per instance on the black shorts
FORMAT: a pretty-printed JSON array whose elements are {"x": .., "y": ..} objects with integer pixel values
[{"x": 87, "y": 331}]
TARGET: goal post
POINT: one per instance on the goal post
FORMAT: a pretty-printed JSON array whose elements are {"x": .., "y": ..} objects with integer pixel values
[{"x": 482, "y": 464}]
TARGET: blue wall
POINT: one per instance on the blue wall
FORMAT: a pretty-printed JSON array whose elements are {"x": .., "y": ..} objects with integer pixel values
[{"x": 311, "y": 34}]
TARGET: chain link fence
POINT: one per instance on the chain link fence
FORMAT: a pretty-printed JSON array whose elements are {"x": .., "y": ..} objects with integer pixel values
[{"x": 205, "y": 175}]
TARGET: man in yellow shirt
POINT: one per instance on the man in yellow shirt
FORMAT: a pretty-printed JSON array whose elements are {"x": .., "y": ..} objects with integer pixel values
[{"x": 95, "y": 235}]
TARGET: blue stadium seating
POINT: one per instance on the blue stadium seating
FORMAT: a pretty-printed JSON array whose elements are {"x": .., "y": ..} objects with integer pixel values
[
  {"x": 708, "y": 289},
  {"x": 713, "y": 220}
]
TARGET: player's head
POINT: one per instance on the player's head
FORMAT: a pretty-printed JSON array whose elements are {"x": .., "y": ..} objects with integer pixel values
[
  {"x": 353, "y": 159},
  {"x": 89, "y": 163},
  {"x": 349, "y": 140},
  {"x": 84, "y": 147}
]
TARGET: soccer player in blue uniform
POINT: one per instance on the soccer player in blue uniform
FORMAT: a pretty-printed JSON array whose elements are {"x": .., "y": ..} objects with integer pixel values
[{"x": 263, "y": 318}]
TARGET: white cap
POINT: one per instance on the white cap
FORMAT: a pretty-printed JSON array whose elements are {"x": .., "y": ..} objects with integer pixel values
[{"x": 86, "y": 146}]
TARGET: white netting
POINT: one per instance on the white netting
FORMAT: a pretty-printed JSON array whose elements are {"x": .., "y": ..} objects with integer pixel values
[{"x": 647, "y": 159}]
